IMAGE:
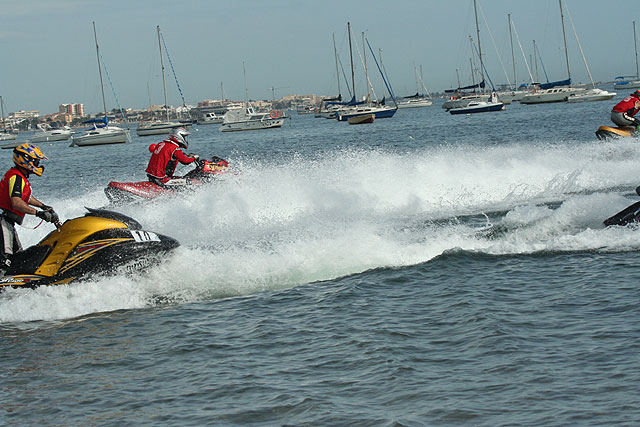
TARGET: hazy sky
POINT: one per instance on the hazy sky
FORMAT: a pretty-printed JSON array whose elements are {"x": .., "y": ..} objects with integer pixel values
[{"x": 48, "y": 52}]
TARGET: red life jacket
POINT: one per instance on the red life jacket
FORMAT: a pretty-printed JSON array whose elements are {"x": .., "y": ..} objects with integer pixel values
[
  {"x": 12, "y": 178},
  {"x": 627, "y": 105},
  {"x": 164, "y": 159}
]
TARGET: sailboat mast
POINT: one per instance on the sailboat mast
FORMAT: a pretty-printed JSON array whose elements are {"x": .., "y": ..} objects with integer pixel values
[
  {"x": 513, "y": 57},
  {"x": 475, "y": 9},
  {"x": 353, "y": 76},
  {"x": 335, "y": 54},
  {"x": 246, "y": 91},
  {"x": 222, "y": 91},
  {"x": 164, "y": 81},
  {"x": 366, "y": 71},
  {"x": 95, "y": 37},
  {"x": 635, "y": 44},
  {"x": 564, "y": 36},
  {"x": 535, "y": 58}
]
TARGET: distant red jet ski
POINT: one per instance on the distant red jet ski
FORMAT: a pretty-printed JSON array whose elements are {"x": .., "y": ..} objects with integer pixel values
[{"x": 127, "y": 192}]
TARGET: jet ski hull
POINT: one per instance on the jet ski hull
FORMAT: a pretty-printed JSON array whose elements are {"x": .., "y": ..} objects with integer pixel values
[
  {"x": 608, "y": 132},
  {"x": 626, "y": 216},
  {"x": 100, "y": 243}
]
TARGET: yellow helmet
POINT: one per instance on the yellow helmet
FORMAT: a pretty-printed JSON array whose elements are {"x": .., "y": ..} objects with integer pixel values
[{"x": 28, "y": 156}]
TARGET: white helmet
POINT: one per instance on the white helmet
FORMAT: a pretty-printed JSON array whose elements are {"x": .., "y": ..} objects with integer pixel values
[{"x": 179, "y": 135}]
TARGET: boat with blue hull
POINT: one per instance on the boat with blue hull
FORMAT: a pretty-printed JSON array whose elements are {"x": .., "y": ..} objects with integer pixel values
[{"x": 478, "y": 107}]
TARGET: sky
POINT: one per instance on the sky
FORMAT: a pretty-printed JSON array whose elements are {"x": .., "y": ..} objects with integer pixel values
[{"x": 49, "y": 58}]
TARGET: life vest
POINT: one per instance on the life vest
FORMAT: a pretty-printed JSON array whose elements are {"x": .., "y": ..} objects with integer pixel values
[
  {"x": 162, "y": 163},
  {"x": 7, "y": 186},
  {"x": 627, "y": 105}
]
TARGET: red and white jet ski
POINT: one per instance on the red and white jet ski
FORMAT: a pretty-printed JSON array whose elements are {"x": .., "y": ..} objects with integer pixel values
[{"x": 127, "y": 192}]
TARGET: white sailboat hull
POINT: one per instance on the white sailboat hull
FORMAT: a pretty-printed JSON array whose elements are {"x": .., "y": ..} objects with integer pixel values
[
  {"x": 156, "y": 128},
  {"x": 415, "y": 104}
]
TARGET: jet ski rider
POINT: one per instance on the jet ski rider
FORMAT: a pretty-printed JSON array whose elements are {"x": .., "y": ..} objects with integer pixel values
[
  {"x": 165, "y": 157},
  {"x": 16, "y": 200},
  {"x": 623, "y": 113}
]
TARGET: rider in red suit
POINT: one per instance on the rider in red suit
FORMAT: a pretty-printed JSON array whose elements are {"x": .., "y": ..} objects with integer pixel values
[
  {"x": 622, "y": 114},
  {"x": 165, "y": 157}
]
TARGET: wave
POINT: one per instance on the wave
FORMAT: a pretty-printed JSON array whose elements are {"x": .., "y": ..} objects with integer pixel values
[{"x": 279, "y": 223}]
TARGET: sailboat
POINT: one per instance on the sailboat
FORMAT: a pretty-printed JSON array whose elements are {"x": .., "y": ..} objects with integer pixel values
[
  {"x": 480, "y": 106},
  {"x": 159, "y": 127},
  {"x": 5, "y": 134},
  {"x": 353, "y": 108},
  {"x": 622, "y": 82},
  {"x": 419, "y": 99},
  {"x": 557, "y": 91},
  {"x": 101, "y": 133}
]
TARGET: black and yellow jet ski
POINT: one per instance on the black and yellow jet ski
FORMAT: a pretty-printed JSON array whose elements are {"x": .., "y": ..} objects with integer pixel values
[
  {"x": 609, "y": 132},
  {"x": 100, "y": 242}
]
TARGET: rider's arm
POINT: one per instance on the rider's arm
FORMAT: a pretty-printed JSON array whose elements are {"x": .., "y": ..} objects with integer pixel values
[
  {"x": 182, "y": 158},
  {"x": 20, "y": 205},
  {"x": 17, "y": 203}
]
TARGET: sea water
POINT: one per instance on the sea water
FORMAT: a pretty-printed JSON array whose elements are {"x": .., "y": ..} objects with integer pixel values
[{"x": 427, "y": 269}]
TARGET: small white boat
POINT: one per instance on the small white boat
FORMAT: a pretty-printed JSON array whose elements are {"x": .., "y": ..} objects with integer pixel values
[
  {"x": 621, "y": 83},
  {"x": 210, "y": 119},
  {"x": 48, "y": 133},
  {"x": 245, "y": 118},
  {"x": 591, "y": 95},
  {"x": 7, "y": 136},
  {"x": 414, "y": 102},
  {"x": 12, "y": 144},
  {"x": 156, "y": 127},
  {"x": 555, "y": 94},
  {"x": 101, "y": 136}
]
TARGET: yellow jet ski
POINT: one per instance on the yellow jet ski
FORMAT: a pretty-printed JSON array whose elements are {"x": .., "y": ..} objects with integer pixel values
[
  {"x": 608, "y": 132},
  {"x": 100, "y": 242}
]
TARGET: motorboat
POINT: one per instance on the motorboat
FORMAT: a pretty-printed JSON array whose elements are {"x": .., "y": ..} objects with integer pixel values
[
  {"x": 210, "y": 119},
  {"x": 554, "y": 94},
  {"x": 99, "y": 243},
  {"x": 239, "y": 118},
  {"x": 590, "y": 95},
  {"x": 101, "y": 135},
  {"x": 48, "y": 133}
]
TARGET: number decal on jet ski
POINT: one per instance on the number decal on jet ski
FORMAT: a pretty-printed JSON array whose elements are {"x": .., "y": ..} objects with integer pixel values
[{"x": 141, "y": 236}]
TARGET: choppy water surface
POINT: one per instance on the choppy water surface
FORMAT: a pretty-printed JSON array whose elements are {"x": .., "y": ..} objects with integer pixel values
[{"x": 423, "y": 270}]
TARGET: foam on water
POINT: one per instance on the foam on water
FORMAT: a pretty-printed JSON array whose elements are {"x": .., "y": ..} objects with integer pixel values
[{"x": 272, "y": 226}]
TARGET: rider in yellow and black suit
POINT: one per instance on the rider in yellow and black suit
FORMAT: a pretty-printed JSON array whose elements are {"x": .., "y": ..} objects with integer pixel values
[{"x": 16, "y": 200}]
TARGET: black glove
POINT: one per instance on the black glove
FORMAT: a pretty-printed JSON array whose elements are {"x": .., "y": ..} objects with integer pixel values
[
  {"x": 49, "y": 216},
  {"x": 46, "y": 208}
]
